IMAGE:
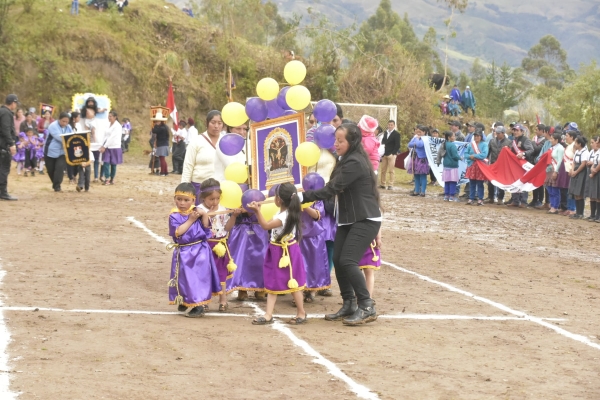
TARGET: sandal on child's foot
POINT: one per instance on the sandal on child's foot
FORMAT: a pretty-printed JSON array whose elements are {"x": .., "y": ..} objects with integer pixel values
[
  {"x": 181, "y": 308},
  {"x": 263, "y": 321},
  {"x": 223, "y": 307},
  {"x": 298, "y": 320},
  {"x": 242, "y": 295},
  {"x": 325, "y": 293},
  {"x": 196, "y": 312},
  {"x": 308, "y": 297},
  {"x": 205, "y": 307}
]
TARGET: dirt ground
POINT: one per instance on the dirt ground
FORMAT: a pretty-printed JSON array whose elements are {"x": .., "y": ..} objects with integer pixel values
[{"x": 78, "y": 251}]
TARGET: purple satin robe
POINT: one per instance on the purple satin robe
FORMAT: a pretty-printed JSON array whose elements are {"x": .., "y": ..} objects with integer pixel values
[
  {"x": 248, "y": 244},
  {"x": 314, "y": 250},
  {"x": 367, "y": 260},
  {"x": 276, "y": 279}
]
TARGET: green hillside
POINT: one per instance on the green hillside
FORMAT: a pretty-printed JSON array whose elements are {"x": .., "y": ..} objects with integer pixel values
[{"x": 129, "y": 58}]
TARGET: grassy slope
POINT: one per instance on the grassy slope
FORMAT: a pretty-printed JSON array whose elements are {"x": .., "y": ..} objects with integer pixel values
[{"x": 124, "y": 57}]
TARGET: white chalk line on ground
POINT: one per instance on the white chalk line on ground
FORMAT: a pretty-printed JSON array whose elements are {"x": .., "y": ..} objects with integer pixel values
[
  {"x": 5, "y": 392},
  {"x": 537, "y": 320},
  {"x": 311, "y": 316},
  {"x": 361, "y": 391}
]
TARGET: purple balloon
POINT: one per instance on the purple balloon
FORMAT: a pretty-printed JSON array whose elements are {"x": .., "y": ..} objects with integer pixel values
[
  {"x": 256, "y": 108},
  {"x": 273, "y": 190},
  {"x": 281, "y": 98},
  {"x": 244, "y": 187},
  {"x": 313, "y": 181},
  {"x": 325, "y": 110},
  {"x": 274, "y": 110},
  {"x": 231, "y": 144},
  {"x": 325, "y": 136},
  {"x": 251, "y": 195},
  {"x": 289, "y": 112}
]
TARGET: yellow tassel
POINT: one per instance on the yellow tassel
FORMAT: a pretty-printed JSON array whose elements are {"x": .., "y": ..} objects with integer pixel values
[
  {"x": 284, "y": 261},
  {"x": 375, "y": 257},
  {"x": 293, "y": 284},
  {"x": 178, "y": 300},
  {"x": 172, "y": 283},
  {"x": 219, "y": 250},
  {"x": 231, "y": 266}
]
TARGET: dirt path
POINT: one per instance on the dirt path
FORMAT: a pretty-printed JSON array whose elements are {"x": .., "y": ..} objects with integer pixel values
[{"x": 79, "y": 251}]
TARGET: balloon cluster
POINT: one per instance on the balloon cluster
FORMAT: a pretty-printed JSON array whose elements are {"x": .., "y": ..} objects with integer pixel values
[{"x": 271, "y": 101}]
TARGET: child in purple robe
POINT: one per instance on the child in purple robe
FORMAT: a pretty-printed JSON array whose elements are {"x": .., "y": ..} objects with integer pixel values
[
  {"x": 19, "y": 156},
  {"x": 220, "y": 225},
  {"x": 194, "y": 279},
  {"x": 248, "y": 243},
  {"x": 283, "y": 268},
  {"x": 371, "y": 262},
  {"x": 30, "y": 152},
  {"x": 314, "y": 251}
]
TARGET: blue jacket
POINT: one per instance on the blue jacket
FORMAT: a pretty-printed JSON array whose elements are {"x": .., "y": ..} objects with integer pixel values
[
  {"x": 455, "y": 94},
  {"x": 451, "y": 157},
  {"x": 55, "y": 148},
  {"x": 468, "y": 100},
  {"x": 419, "y": 146},
  {"x": 483, "y": 148}
]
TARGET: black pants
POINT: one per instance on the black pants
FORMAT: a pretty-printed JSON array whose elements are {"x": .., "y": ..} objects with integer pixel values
[
  {"x": 30, "y": 159},
  {"x": 538, "y": 195},
  {"x": 84, "y": 176},
  {"x": 350, "y": 244},
  {"x": 564, "y": 196},
  {"x": 178, "y": 157},
  {"x": 72, "y": 171},
  {"x": 5, "y": 160},
  {"x": 55, "y": 168}
]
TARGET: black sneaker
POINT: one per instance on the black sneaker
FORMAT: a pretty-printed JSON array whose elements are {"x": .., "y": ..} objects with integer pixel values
[
  {"x": 181, "y": 308},
  {"x": 196, "y": 312}
]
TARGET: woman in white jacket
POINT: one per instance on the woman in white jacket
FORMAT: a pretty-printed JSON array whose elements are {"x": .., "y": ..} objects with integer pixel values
[
  {"x": 112, "y": 154},
  {"x": 200, "y": 155}
]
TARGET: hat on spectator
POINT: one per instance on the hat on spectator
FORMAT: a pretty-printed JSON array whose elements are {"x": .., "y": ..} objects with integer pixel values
[
  {"x": 500, "y": 129},
  {"x": 479, "y": 125},
  {"x": 471, "y": 123},
  {"x": 11, "y": 98},
  {"x": 519, "y": 127},
  {"x": 455, "y": 123},
  {"x": 368, "y": 124},
  {"x": 572, "y": 127},
  {"x": 191, "y": 121}
]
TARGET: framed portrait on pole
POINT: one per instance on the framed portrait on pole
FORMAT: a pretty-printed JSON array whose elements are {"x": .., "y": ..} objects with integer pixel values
[{"x": 273, "y": 144}]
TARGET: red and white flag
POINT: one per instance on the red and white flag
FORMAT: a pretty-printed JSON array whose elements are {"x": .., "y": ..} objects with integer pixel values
[{"x": 172, "y": 107}]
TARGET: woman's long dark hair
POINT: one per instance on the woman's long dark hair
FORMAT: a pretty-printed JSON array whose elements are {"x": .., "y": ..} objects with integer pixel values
[
  {"x": 354, "y": 139},
  {"x": 211, "y": 115},
  {"x": 95, "y": 107},
  {"x": 289, "y": 197},
  {"x": 74, "y": 115}
]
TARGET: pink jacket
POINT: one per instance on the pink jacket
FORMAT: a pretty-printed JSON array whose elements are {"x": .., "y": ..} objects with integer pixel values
[{"x": 371, "y": 146}]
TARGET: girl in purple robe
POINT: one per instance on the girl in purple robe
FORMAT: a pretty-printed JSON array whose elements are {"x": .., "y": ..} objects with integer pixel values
[
  {"x": 40, "y": 151},
  {"x": 283, "y": 268},
  {"x": 220, "y": 225},
  {"x": 30, "y": 152},
  {"x": 19, "y": 156},
  {"x": 194, "y": 279},
  {"x": 369, "y": 263},
  {"x": 314, "y": 251},
  {"x": 248, "y": 243}
]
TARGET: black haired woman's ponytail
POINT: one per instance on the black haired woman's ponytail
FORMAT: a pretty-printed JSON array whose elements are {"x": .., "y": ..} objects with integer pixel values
[{"x": 289, "y": 197}]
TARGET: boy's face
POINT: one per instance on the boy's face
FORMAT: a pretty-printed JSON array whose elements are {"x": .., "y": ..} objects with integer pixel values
[{"x": 183, "y": 203}]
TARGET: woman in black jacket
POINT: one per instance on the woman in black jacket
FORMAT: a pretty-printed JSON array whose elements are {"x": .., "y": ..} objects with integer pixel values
[{"x": 354, "y": 186}]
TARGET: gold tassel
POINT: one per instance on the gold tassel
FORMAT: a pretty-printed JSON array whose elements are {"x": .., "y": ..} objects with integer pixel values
[
  {"x": 293, "y": 284},
  {"x": 172, "y": 283},
  {"x": 284, "y": 261},
  {"x": 178, "y": 300},
  {"x": 375, "y": 256},
  {"x": 231, "y": 266},
  {"x": 220, "y": 250}
]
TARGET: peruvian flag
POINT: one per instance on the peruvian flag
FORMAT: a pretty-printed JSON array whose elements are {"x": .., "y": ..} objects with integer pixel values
[
  {"x": 515, "y": 175},
  {"x": 171, "y": 106}
]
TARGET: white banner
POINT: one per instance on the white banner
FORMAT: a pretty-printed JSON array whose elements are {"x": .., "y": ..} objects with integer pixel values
[{"x": 431, "y": 149}]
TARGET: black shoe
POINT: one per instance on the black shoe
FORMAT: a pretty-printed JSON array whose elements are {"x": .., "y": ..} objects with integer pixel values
[
  {"x": 364, "y": 314},
  {"x": 196, "y": 312},
  {"x": 348, "y": 308},
  {"x": 8, "y": 197},
  {"x": 464, "y": 196},
  {"x": 181, "y": 308}
]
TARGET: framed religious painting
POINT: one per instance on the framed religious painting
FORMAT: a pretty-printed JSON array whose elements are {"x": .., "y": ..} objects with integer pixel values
[{"x": 273, "y": 144}]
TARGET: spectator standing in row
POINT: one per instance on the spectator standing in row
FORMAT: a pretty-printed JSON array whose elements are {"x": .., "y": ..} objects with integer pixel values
[
  {"x": 455, "y": 94},
  {"x": 523, "y": 149},
  {"x": 75, "y": 7},
  {"x": 8, "y": 138},
  {"x": 180, "y": 141},
  {"x": 495, "y": 146},
  {"x": 126, "y": 135},
  {"x": 391, "y": 142},
  {"x": 468, "y": 101}
]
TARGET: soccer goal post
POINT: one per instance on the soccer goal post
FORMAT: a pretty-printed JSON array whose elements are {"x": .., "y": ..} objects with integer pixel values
[{"x": 382, "y": 113}]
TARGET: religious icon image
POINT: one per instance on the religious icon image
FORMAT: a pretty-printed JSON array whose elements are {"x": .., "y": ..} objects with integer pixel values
[
  {"x": 78, "y": 151},
  {"x": 279, "y": 160}
]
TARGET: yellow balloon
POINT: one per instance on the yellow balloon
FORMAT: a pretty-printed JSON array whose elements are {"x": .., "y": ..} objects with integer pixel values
[
  {"x": 236, "y": 172},
  {"x": 234, "y": 114},
  {"x": 307, "y": 205},
  {"x": 298, "y": 97},
  {"x": 307, "y": 154},
  {"x": 269, "y": 210},
  {"x": 232, "y": 194},
  {"x": 294, "y": 72},
  {"x": 267, "y": 89}
]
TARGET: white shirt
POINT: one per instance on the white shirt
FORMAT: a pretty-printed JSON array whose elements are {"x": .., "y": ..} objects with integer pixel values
[
  {"x": 112, "y": 139},
  {"x": 100, "y": 129},
  {"x": 217, "y": 222},
  {"x": 581, "y": 156},
  {"x": 222, "y": 161},
  {"x": 275, "y": 232},
  {"x": 199, "y": 163},
  {"x": 192, "y": 133},
  {"x": 182, "y": 133},
  {"x": 594, "y": 156}
]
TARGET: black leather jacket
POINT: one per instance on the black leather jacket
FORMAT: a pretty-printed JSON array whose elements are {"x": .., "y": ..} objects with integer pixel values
[
  {"x": 354, "y": 188},
  {"x": 8, "y": 136}
]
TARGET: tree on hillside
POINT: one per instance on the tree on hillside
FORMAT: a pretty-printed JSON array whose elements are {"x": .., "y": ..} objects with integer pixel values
[
  {"x": 4, "y": 9},
  {"x": 547, "y": 61},
  {"x": 454, "y": 6}
]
